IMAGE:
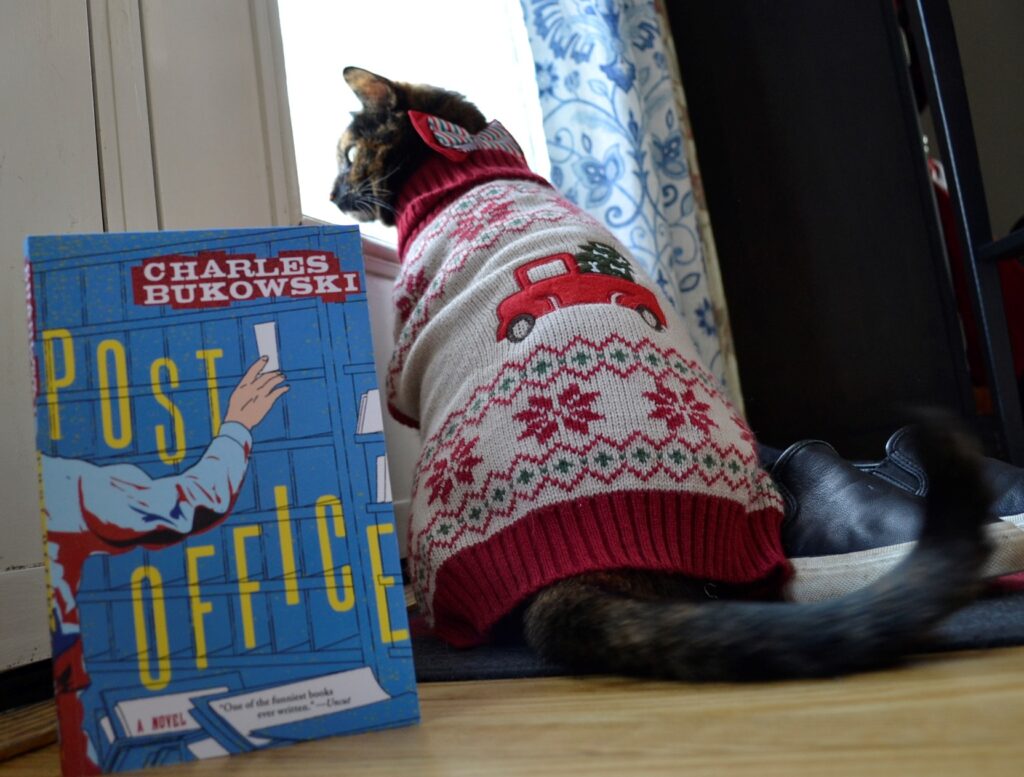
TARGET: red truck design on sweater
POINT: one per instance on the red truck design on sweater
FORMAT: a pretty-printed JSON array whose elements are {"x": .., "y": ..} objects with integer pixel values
[{"x": 558, "y": 281}]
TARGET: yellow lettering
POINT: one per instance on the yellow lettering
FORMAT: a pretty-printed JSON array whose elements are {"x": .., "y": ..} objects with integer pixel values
[
  {"x": 284, "y": 527},
  {"x": 123, "y": 437},
  {"x": 52, "y": 381},
  {"x": 333, "y": 504},
  {"x": 177, "y": 420},
  {"x": 381, "y": 583},
  {"x": 151, "y": 575},
  {"x": 246, "y": 587},
  {"x": 200, "y": 608},
  {"x": 209, "y": 358}
]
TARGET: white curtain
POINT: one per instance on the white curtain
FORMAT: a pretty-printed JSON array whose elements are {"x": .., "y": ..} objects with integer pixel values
[{"x": 615, "y": 124}]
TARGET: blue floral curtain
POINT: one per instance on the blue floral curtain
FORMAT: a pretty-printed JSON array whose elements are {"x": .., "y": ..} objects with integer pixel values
[{"x": 617, "y": 139}]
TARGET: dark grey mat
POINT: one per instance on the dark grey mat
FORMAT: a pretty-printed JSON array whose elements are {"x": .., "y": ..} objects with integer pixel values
[
  {"x": 995, "y": 621},
  {"x": 437, "y": 662}
]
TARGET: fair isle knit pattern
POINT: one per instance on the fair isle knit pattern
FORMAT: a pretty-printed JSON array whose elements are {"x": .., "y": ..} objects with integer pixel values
[{"x": 567, "y": 423}]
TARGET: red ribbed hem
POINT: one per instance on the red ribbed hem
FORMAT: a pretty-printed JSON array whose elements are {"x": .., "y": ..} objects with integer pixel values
[
  {"x": 703, "y": 537},
  {"x": 439, "y": 182},
  {"x": 402, "y": 418}
]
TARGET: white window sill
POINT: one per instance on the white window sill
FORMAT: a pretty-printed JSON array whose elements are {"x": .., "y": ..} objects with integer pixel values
[{"x": 380, "y": 258}]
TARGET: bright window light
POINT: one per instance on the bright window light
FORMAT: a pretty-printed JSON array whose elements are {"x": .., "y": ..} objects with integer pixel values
[{"x": 405, "y": 40}]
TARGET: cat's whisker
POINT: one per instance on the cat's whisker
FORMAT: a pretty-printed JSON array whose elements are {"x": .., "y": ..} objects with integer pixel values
[
  {"x": 384, "y": 205},
  {"x": 372, "y": 192},
  {"x": 380, "y": 202},
  {"x": 384, "y": 177}
]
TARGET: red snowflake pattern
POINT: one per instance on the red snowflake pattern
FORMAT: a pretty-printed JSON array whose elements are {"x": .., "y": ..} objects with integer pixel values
[
  {"x": 457, "y": 467},
  {"x": 745, "y": 434},
  {"x": 574, "y": 411},
  {"x": 407, "y": 293},
  {"x": 468, "y": 225},
  {"x": 678, "y": 410}
]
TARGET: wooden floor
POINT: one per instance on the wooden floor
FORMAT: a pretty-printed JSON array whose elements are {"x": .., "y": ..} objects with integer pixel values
[{"x": 957, "y": 714}]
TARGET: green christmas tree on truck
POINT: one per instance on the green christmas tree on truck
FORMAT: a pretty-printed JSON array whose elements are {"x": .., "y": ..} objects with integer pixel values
[{"x": 602, "y": 258}]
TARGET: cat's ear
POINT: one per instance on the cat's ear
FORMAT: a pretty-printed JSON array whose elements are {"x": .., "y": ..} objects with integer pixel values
[{"x": 375, "y": 92}]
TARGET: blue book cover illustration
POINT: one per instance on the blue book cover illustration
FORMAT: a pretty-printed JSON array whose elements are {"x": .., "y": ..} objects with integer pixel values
[{"x": 221, "y": 551}]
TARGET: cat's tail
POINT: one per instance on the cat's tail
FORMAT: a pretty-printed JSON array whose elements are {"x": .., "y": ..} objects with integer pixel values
[{"x": 584, "y": 626}]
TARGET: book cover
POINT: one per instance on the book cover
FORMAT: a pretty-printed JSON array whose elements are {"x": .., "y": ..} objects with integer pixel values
[{"x": 221, "y": 551}]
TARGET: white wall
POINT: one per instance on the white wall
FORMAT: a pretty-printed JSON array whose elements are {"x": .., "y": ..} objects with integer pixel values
[
  {"x": 221, "y": 139},
  {"x": 49, "y": 182}
]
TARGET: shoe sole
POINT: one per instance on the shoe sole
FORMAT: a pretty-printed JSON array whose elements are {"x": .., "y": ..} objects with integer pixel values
[{"x": 816, "y": 578}]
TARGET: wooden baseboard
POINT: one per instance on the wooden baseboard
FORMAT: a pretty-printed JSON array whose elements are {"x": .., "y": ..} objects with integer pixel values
[{"x": 27, "y": 728}]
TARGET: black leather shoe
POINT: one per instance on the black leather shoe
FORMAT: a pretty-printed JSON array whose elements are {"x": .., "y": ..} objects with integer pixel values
[
  {"x": 902, "y": 467},
  {"x": 846, "y": 526},
  {"x": 834, "y": 507}
]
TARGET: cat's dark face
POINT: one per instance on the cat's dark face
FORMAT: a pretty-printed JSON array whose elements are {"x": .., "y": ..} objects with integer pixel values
[{"x": 380, "y": 149}]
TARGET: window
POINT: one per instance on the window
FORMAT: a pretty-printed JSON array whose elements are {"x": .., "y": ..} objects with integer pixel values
[{"x": 476, "y": 47}]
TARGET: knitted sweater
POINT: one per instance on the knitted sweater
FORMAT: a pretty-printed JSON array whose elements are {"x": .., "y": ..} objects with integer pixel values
[{"x": 567, "y": 423}]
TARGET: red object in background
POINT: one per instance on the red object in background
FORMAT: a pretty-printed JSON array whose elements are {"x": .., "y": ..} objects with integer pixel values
[
  {"x": 556, "y": 281},
  {"x": 70, "y": 677},
  {"x": 1011, "y": 276}
]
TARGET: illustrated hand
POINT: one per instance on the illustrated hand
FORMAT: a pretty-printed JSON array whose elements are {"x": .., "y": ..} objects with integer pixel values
[{"x": 255, "y": 395}]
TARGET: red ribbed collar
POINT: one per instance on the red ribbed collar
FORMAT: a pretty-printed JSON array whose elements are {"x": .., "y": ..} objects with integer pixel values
[{"x": 440, "y": 180}]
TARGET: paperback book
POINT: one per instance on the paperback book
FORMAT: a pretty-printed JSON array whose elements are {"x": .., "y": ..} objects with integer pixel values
[{"x": 221, "y": 554}]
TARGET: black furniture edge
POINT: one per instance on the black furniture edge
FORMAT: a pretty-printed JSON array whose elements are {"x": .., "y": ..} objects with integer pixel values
[{"x": 934, "y": 35}]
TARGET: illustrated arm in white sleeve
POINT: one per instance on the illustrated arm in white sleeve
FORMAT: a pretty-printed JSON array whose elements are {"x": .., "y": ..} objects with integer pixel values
[{"x": 122, "y": 505}]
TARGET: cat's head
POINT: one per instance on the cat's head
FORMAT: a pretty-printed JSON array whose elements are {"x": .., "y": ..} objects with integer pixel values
[{"x": 380, "y": 149}]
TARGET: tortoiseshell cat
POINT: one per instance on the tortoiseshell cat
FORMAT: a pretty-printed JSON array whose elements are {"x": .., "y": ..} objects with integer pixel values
[{"x": 580, "y": 469}]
